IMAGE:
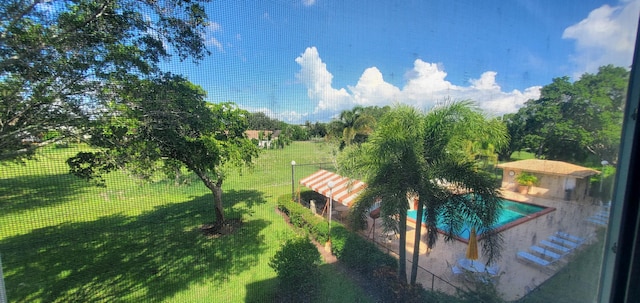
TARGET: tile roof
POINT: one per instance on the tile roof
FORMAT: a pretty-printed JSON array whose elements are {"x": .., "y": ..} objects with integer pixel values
[{"x": 550, "y": 167}]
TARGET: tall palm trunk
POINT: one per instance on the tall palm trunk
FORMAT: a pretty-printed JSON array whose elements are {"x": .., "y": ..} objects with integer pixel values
[
  {"x": 416, "y": 243},
  {"x": 402, "y": 253}
]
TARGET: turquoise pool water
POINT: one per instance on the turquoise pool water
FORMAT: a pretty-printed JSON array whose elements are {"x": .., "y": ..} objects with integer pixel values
[{"x": 511, "y": 212}]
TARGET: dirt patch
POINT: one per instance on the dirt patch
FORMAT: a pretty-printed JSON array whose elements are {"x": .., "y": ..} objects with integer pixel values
[{"x": 216, "y": 230}]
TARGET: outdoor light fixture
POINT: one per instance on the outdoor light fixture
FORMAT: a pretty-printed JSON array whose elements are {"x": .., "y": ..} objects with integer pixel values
[
  {"x": 604, "y": 163},
  {"x": 293, "y": 182}
]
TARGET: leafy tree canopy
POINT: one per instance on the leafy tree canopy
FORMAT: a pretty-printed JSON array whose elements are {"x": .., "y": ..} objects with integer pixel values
[
  {"x": 60, "y": 59},
  {"x": 162, "y": 125},
  {"x": 260, "y": 121},
  {"x": 575, "y": 121}
]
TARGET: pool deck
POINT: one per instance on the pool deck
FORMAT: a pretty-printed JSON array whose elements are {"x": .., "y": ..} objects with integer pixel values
[{"x": 516, "y": 278}]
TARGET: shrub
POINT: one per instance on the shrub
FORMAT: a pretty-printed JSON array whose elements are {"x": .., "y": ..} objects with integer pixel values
[
  {"x": 350, "y": 248},
  {"x": 296, "y": 264},
  {"x": 526, "y": 179}
]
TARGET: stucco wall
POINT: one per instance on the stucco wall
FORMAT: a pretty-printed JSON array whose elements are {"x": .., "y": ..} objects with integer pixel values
[{"x": 549, "y": 186}]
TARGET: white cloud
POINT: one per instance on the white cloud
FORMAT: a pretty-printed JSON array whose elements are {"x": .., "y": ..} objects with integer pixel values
[
  {"x": 606, "y": 36},
  {"x": 308, "y": 2},
  {"x": 426, "y": 85},
  {"x": 487, "y": 81},
  {"x": 209, "y": 38},
  {"x": 373, "y": 90},
  {"x": 315, "y": 76}
]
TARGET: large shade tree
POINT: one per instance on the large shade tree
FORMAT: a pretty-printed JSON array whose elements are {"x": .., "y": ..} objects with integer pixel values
[
  {"x": 414, "y": 155},
  {"x": 60, "y": 59},
  {"x": 578, "y": 122},
  {"x": 162, "y": 125}
]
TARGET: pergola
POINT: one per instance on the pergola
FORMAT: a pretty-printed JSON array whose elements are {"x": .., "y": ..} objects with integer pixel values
[{"x": 344, "y": 191}]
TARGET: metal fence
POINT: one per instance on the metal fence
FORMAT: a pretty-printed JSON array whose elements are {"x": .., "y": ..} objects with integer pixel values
[
  {"x": 433, "y": 281},
  {"x": 3, "y": 291}
]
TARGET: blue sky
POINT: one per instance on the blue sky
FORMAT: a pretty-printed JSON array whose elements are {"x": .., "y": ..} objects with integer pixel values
[{"x": 300, "y": 60}]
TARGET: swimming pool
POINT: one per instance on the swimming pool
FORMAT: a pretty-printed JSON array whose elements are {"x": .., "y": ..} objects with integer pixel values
[{"x": 512, "y": 214}]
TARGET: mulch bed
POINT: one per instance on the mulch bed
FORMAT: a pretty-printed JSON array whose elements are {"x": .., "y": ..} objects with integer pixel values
[{"x": 214, "y": 230}]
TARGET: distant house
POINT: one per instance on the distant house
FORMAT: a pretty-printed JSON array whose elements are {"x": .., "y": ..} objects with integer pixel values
[
  {"x": 556, "y": 179},
  {"x": 267, "y": 137}
]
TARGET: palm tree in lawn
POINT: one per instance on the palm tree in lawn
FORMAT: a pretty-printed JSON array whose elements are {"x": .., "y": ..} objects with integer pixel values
[
  {"x": 352, "y": 123},
  {"x": 390, "y": 162},
  {"x": 455, "y": 189}
]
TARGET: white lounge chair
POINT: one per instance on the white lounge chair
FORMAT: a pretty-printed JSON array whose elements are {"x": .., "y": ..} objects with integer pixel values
[
  {"x": 532, "y": 259},
  {"x": 563, "y": 242},
  {"x": 570, "y": 237},
  {"x": 558, "y": 248},
  {"x": 493, "y": 270},
  {"x": 596, "y": 221},
  {"x": 545, "y": 253}
]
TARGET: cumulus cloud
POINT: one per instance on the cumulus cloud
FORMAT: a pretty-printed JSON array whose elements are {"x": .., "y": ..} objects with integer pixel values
[
  {"x": 315, "y": 76},
  {"x": 606, "y": 36},
  {"x": 371, "y": 89},
  {"x": 426, "y": 85},
  {"x": 209, "y": 38}
]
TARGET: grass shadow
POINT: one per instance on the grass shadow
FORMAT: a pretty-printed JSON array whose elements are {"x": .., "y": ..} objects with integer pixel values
[
  {"x": 149, "y": 257},
  {"x": 333, "y": 285},
  {"x": 23, "y": 193}
]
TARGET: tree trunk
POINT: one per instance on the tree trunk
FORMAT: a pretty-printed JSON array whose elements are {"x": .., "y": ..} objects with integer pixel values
[
  {"x": 402, "y": 262},
  {"x": 416, "y": 245},
  {"x": 217, "y": 200},
  {"x": 216, "y": 190}
]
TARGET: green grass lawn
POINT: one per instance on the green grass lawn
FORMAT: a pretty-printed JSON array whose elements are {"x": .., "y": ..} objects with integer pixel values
[{"x": 63, "y": 240}]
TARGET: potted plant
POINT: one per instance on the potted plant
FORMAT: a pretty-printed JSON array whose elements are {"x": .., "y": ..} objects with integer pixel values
[{"x": 525, "y": 181}]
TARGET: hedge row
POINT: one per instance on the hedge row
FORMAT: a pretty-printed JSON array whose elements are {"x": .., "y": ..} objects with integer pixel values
[{"x": 350, "y": 248}]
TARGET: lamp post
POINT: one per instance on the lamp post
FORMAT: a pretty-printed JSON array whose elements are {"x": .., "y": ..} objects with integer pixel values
[
  {"x": 293, "y": 165},
  {"x": 604, "y": 163},
  {"x": 330, "y": 184}
]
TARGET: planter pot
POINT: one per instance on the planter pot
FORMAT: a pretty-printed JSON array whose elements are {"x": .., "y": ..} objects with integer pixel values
[{"x": 523, "y": 189}]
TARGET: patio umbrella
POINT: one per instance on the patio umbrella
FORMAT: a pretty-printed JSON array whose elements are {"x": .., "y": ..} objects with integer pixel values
[{"x": 472, "y": 249}]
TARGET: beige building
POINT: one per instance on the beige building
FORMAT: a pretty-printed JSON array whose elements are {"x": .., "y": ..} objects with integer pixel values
[
  {"x": 267, "y": 137},
  {"x": 556, "y": 179}
]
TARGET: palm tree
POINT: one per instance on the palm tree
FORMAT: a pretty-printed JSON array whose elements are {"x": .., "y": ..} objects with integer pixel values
[
  {"x": 455, "y": 189},
  {"x": 352, "y": 123},
  {"x": 390, "y": 162},
  {"x": 410, "y": 155}
]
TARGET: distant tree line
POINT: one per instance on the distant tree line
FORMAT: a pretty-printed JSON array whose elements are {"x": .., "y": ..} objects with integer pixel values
[
  {"x": 578, "y": 122},
  {"x": 351, "y": 126}
]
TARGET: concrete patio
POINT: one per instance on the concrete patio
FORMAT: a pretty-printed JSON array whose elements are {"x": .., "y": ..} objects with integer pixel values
[{"x": 516, "y": 278}]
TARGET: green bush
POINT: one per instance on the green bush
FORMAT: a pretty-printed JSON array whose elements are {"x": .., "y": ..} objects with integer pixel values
[
  {"x": 301, "y": 217},
  {"x": 351, "y": 249},
  {"x": 296, "y": 264},
  {"x": 526, "y": 179}
]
